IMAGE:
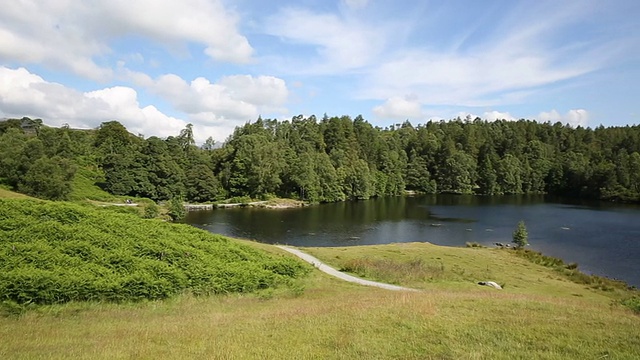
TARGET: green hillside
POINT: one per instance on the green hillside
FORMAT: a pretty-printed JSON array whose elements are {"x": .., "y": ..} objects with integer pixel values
[{"x": 59, "y": 252}]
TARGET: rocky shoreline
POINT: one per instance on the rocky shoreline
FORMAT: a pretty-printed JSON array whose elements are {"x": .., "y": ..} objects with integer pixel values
[{"x": 268, "y": 204}]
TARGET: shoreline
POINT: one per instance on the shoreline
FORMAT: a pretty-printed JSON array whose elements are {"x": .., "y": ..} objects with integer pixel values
[{"x": 266, "y": 204}]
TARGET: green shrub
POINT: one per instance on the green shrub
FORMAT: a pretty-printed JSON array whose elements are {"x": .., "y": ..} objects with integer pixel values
[
  {"x": 238, "y": 200},
  {"x": 473, "y": 245},
  {"x": 151, "y": 211},
  {"x": 632, "y": 303},
  {"x": 58, "y": 252},
  {"x": 176, "y": 209}
]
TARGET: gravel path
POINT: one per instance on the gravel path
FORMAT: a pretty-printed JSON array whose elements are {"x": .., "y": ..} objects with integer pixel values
[{"x": 340, "y": 275}]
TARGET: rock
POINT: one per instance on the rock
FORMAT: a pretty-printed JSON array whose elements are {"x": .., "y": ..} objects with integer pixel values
[{"x": 491, "y": 284}]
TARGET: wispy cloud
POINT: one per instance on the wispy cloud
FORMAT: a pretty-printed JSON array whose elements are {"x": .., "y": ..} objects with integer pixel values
[
  {"x": 496, "y": 69},
  {"x": 340, "y": 43}
]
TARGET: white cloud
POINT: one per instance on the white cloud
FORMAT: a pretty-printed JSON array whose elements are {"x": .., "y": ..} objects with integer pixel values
[
  {"x": 492, "y": 115},
  {"x": 496, "y": 115},
  {"x": 219, "y": 106},
  {"x": 25, "y": 94},
  {"x": 461, "y": 80},
  {"x": 265, "y": 91},
  {"x": 574, "y": 117},
  {"x": 399, "y": 108},
  {"x": 495, "y": 65},
  {"x": 74, "y": 35},
  {"x": 233, "y": 99},
  {"x": 342, "y": 43}
]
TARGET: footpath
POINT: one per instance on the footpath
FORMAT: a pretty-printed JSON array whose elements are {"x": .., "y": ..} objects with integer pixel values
[{"x": 340, "y": 275}]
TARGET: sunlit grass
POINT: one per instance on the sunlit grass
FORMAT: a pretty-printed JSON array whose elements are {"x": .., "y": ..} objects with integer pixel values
[
  {"x": 85, "y": 186},
  {"x": 8, "y": 194},
  {"x": 333, "y": 319},
  {"x": 428, "y": 266}
]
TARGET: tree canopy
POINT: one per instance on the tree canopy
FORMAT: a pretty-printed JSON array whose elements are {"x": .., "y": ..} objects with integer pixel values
[{"x": 331, "y": 159}]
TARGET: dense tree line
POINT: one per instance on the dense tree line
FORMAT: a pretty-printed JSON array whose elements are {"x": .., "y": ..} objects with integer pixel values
[{"x": 332, "y": 159}]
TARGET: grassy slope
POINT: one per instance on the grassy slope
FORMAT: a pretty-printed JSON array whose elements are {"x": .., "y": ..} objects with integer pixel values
[
  {"x": 8, "y": 194},
  {"x": 428, "y": 266},
  {"x": 535, "y": 317},
  {"x": 84, "y": 186},
  {"x": 54, "y": 252}
]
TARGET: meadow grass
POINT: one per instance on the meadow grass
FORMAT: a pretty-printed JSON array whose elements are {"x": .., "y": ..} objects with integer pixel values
[
  {"x": 428, "y": 266},
  {"x": 333, "y": 319},
  {"x": 8, "y": 194}
]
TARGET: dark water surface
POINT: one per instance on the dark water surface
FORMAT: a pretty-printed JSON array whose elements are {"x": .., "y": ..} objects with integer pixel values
[{"x": 603, "y": 238}]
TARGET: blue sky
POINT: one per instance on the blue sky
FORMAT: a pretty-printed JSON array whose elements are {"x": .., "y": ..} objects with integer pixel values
[{"x": 156, "y": 65}]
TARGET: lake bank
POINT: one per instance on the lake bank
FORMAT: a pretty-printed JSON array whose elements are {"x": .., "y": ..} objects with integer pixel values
[{"x": 278, "y": 203}]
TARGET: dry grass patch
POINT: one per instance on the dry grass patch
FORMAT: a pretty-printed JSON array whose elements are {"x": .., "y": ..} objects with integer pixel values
[{"x": 8, "y": 194}]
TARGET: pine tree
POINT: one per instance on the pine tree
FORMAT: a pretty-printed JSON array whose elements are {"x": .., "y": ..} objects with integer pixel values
[{"x": 520, "y": 235}]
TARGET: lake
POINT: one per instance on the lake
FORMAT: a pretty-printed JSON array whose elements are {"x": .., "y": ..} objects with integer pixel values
[{"x": 603, "y": 238}]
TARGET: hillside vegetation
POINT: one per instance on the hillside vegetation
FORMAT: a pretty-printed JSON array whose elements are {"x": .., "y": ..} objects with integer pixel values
[{"x": 59, "y": 252}]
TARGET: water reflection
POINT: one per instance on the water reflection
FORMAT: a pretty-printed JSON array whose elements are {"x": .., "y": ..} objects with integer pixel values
[{"x": 603, "y": 238}]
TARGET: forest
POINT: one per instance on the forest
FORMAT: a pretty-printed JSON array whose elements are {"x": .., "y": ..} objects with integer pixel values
[{"x": 327, "y": 160}]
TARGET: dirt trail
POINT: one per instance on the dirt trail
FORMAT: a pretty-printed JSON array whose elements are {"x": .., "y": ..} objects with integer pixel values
[{"x": 333, "y": 272}]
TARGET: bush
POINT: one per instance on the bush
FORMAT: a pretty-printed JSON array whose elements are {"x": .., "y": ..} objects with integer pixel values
[
  {"x": 238, "y": 200},
  {"x": 473, "y": 245},
  {"x": 58, "y": 252},
  {"x": 176, "y": 209},
  {"x": 151, "y": 211},
  {"x": 632, "y": 303}
]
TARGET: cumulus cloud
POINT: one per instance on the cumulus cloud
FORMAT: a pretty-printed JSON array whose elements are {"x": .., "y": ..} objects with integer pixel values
[
  {"x": 229, "y": 102},
  {"x": 265, "y": 91},
  {"x": 497, "y": 115},
  {"x": 218, "y": 107},
  {"x": 25, "y": 94},
  {"x": 75, "y": 35},
  {"x": 399, "y": 108},
  {"x": 574, "y": 117}
]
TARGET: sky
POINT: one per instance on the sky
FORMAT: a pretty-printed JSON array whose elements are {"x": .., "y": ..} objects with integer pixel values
[{"x": 158, "y": 65}]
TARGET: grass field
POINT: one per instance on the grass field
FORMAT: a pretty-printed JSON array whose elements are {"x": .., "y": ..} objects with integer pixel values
[{"x": 537, "y": 316}]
